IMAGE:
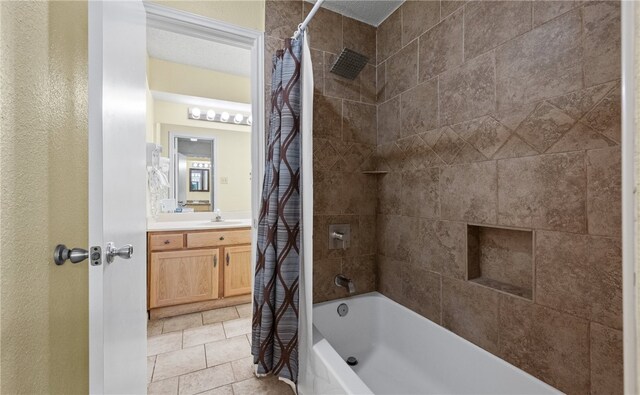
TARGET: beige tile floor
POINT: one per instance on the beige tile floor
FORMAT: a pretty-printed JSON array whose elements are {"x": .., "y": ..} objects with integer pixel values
[{"x": 205, "y": 353}]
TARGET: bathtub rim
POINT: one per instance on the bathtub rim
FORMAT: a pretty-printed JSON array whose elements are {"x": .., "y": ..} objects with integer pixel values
[{"x": 348, "y": 380}]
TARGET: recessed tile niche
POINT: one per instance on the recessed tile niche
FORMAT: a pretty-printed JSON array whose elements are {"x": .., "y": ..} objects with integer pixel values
[{"x": 501, "y": 259}]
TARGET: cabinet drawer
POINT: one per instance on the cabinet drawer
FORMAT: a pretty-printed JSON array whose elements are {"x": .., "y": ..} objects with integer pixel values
[
  {"x": 169, "y": 241},
  {"x": 218, "y": 238}
]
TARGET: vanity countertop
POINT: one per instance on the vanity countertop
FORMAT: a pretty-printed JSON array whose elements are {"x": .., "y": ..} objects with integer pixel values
[{"x": 193, "y": 221}]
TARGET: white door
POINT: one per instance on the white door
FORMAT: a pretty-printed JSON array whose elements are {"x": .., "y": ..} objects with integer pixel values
[{"x": 117, "y": 179}]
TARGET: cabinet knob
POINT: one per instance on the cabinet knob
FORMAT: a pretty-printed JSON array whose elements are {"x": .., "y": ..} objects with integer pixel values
[
  {"x": 166, "y": 242},
  {"x": 227, "y": 259},
  {"x": 221, "y": 237}
]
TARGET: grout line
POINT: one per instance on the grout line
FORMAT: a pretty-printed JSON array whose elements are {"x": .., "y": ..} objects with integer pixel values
[
  {"x": 532, "y": 16},
  {"x": 418, "y": 61},
  {"x": 464, "y": 6},
  {"x": 495, "y": 83},
  {"x": 153, "y": 371},
  {"x": 586, "y": 191},
  {"x": 206, "y": 361},
  {"x": 534, "y": 266}
]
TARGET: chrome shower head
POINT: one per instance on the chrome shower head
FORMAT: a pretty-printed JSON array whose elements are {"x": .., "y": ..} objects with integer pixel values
[{"x": 349, "y": 64}]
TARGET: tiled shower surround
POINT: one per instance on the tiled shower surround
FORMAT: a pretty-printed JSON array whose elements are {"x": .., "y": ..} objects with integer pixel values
[
  {"x": 497, "y": 119},
  {"x": 344, "y": 139}
]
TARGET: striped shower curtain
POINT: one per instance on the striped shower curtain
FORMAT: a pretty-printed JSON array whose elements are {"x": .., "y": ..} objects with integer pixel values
[{"x": 276, "y": 296}]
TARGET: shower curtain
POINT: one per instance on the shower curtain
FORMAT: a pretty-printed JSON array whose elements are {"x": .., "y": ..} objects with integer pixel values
[{"x": 281, "y": 327}]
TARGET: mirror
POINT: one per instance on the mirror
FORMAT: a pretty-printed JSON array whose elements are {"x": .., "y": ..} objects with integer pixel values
[
  {"x": 199, "y": 118},
  {"x": 199, "y": 180},
  {"x": 193, "y": 159}
]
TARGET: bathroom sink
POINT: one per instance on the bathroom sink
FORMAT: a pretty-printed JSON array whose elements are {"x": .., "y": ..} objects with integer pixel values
[
  {"x": 230, "y": 221},
  {"x": 198, "y": 224}
]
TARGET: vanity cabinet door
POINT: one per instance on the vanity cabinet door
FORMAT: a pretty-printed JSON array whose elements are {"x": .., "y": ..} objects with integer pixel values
[
  {"x": 237, "y": 270},
  {"x": 187, "y": 276}
]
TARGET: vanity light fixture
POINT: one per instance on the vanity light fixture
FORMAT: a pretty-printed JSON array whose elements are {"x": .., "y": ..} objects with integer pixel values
[
  {"x": 201, "y": 165},
  {"x": 194, "y": 140},
  {"x": 211, "y": 115}
]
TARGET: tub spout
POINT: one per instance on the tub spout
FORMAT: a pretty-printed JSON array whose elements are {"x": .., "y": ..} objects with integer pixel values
[{"x": 344, "y": 282}]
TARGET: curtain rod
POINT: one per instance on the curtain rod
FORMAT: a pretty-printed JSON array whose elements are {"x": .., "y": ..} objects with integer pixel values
[{"x": 303, "y": 25}]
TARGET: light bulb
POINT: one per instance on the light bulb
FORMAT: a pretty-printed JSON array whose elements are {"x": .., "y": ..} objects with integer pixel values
[
  {"x": 194, "y": 140},
  {"x": 211, "y": 115},
  {"x": 250, "y": 120},
  {"x": 224, "y": 117},
  {"x": 238, "y": 118},
  {"x": 195, "y": 113}
]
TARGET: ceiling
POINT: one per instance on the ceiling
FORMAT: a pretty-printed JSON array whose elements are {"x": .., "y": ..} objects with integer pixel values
[
  {"x": 192, "y": 51},
  {"x": 197, "y": 149},
  {"x": 372, "y": 12}
]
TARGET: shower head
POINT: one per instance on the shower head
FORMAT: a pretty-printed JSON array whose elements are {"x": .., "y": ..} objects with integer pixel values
[{"x": 349, "y": 64}]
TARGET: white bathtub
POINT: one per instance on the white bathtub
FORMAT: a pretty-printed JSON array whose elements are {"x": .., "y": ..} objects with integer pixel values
[{"x": 401, "y": 352}]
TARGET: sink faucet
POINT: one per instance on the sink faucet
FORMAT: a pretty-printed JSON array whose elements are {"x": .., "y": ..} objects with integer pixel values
[
  {"x": 344, "y": 282},
  {"x": 218, "y": 216}
]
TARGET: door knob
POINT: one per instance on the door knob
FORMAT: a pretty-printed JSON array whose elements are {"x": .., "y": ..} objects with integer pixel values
[
  {"x": 124, "y": 252},
  {"x": 61, "y": 254}
]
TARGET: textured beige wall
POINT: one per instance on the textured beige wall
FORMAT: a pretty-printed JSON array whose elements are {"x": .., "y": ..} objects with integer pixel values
[
  {"x": 194, "y": 81},
  {"x": 43, "y": 91},
  {"x": 245, "y": 13},
  {"x": 68, "y": 196}
]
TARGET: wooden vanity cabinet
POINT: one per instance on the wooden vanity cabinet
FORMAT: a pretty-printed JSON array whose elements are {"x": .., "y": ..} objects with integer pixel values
[
  {"x": 198, "y": 270},
  {"x": 237, "y": 270},
  {"x": 178, "y": 277}
]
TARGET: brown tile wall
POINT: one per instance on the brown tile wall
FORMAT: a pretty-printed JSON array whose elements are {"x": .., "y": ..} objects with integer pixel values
[
  {"x": 492, "y": 113},
  {"x": 506, "y": 114},
  {"x": 344, "y": 139}
]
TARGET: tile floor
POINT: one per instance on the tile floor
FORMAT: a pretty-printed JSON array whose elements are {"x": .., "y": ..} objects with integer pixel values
[{"x": 205, "y": 353}]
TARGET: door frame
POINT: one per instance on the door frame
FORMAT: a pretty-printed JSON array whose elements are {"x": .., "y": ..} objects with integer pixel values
[
  {"x": 173, "y": 177},
  {"x": 192, "y": 25},
  {"x": 629, "y": 202},
  {"x": 198, "y": 26}
]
